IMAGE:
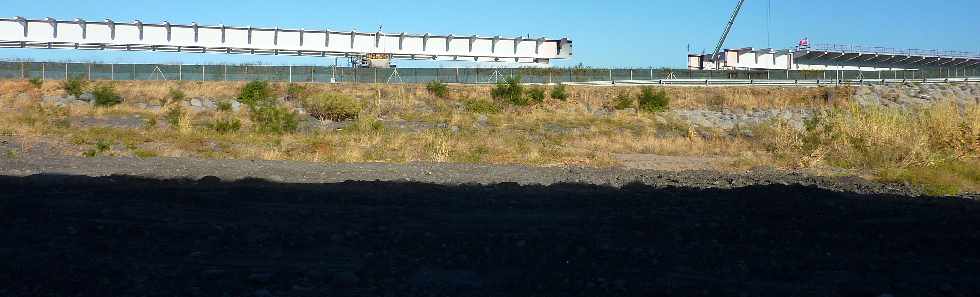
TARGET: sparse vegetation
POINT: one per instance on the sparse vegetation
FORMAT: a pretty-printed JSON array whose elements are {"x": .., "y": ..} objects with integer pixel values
[
  {"x": 536, "y": 94},
  {"x": 653, "y": 101},
  {"x": 511, "y": 91},
  {"x": 144, "y": 154},
  {"x": 74, "y": 86},
  {"x": 935, "y": 147},
  {"x": 438, "y": 89},
  {"x": 274, "y": 119},
  {"x": 225, "y": 125},
  {"x": 176, "y": 95},
  {"x": 223, "y": 106},
  {"x": 10, "y": 154},
  {"x": 255, "y": 93},
  {"x": 150, "y": 122},
  {"x": 105, "y": 96},
  {"x": 295, "y": 91},
  {"x": 481, "y": 106},
  {"x": 623, "y": 100},
  {"x": 36, "y": 82},
  {"x": 99, "y": 148},
  {"x": 941, "y": 142},
  {"x": 332, "y": 106},
  {"x": 558, "y": 92},
  {"x": 174, "y": 116}
]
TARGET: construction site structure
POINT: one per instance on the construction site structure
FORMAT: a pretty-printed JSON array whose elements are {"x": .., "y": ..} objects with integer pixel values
[
  {"x": 373, "y": 48},
  {"x": 833, "y": 57}
]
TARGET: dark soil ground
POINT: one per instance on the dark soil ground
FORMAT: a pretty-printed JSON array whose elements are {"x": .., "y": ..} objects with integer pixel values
[{"x": 129, "y": 236}]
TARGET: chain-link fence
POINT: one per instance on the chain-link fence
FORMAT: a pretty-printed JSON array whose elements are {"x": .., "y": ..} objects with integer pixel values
[{"x": 93, "y": 71}]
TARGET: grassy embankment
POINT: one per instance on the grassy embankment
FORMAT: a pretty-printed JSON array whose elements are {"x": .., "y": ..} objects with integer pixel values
[{"x": 935, "y": 146}]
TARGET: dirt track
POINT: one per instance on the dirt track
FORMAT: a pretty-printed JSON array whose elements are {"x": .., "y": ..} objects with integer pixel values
[{"x": 71, "y": 235}]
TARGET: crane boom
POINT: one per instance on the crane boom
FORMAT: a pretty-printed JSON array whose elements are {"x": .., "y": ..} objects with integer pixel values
[{"x": 728, "y": 29}]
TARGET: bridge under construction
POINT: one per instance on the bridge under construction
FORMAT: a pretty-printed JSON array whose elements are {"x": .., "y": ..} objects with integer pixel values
[
  {"x": 836, "y": 58},
  {"x": 20, "y": 32}
]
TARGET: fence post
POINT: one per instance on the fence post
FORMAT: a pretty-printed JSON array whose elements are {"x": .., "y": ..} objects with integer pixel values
[
  {"x": 203, "y": 75},
  {"x": 180, "y": 72},
  {"x": 89, "y": 71},
  {"x": 631, "y": 74},
  {"x": 224, "y": 77},
  {"x": 42, "y": 71},
  {"x": 23, "y": 74},
  {"x": 290, "y": 73},
  {"x": 112, "y": 71},
  {"x": 66, "y": 71}
]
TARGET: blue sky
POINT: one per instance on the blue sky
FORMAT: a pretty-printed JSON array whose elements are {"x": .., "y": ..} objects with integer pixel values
[{"x": 606, "y": 33}]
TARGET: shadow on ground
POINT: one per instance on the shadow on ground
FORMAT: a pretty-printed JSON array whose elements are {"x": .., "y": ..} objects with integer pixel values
[{"x": 127, "y": 236}]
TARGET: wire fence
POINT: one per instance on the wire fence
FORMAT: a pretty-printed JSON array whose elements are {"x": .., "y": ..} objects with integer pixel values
[{"x": 97, "y": 71}]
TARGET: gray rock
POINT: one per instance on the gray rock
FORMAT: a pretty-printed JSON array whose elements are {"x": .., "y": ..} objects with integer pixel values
[
  {"x": 210, "y": 104},
  {"x": 236, "y": 106},
  {"x": 86, "y": 97},
  {"x": 54, "y": 99},
  {"x": 196, "y": 102}
]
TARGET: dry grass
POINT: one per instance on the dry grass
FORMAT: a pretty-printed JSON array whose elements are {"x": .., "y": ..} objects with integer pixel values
[
  {"x": 937, "y": 146},
  {"x": 934, "y": 145}
]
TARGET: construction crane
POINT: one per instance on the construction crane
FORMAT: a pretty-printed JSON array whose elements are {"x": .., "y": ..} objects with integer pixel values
[{"x": 724, "y": 35}]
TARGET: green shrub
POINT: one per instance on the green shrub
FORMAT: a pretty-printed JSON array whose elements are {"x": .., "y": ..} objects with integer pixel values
[
  {"x": 623, "y": 100},
  {"x": 174, "y": 116},
  {"x": 176, "y": 95},
  {"x": 536, "y": 94},
  {"x": 295, "y": 91},
  {"x": 481, "y": 106},
  {"x": 332, "y": 106},
  {"x": 106, "y": 96},
  {"x": 274, "y": 119},
  {"x": 224, "y": 106},
  {"x": 99, "y": 148},
  {"x": 559, "y": 92},
  {"x": 653, "y": 101},
  {"x": 150, "y": 122},
  {"x": 438, "y": 89},
  {"x": 510, "y": 90},
  {"x": 255, "y": 93},
  {"x": 74, "y": 86},
  {"x": 36, "y": 82},
  {"x": 225, "y": 125}
]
